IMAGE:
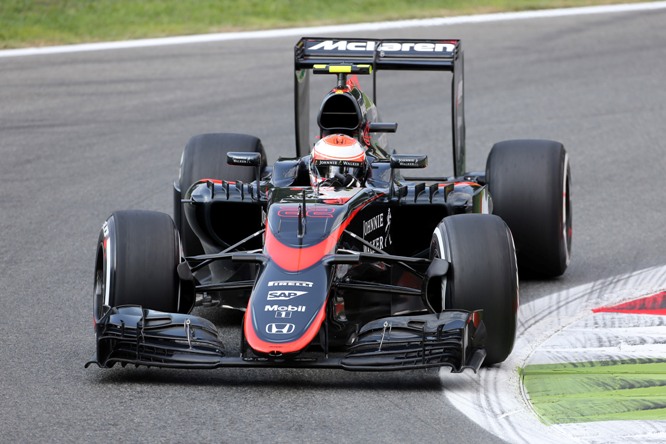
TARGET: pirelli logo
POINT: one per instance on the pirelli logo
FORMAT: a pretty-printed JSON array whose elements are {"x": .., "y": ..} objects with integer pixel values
[
  {"x": 345, "y": 45},
  {"x": 290, "y": 284}
]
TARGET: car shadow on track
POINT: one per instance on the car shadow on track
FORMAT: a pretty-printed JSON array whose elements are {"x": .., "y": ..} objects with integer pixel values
[{"x": 273, "y": 378}]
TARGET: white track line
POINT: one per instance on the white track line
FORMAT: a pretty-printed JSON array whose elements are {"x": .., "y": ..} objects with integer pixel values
[
  {"x": 495, "y": 399},
  {"x": 335, "y": 29}
]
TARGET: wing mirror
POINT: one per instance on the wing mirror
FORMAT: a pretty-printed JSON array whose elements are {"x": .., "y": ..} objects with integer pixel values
[
  {"x": 405, "y": 161},
  {"x": 252, "y": 159},
  {"x": 409, "y": 161},
  {"x": 382, "y": 127},
  {"x": 244, "y": 159}
]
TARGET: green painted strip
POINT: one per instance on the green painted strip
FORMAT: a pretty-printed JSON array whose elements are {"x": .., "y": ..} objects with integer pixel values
[{"x": 597, "y": 391}]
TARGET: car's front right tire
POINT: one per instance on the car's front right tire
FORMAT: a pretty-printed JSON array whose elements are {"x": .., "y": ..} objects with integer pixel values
[{"x": 138, "y": 253}]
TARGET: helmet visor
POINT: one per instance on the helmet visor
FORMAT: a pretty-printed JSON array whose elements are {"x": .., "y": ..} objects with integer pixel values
[{"x": 328, "y": 169}]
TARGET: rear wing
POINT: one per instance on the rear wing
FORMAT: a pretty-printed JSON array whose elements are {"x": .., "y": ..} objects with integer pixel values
[{"x": 386, "y": 54}]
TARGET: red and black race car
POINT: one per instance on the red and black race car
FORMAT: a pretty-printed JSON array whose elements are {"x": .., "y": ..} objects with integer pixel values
[{"x": 335, "y": 257}]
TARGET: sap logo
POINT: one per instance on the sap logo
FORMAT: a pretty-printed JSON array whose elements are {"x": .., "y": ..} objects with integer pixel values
[
  {"x": 344, "y": 45},
  {"x": 280, "y": 328},
  {"x": 283, "y": 295},
  {"x": 284, "y": 308},
  {"x": 290, "y": 284}
]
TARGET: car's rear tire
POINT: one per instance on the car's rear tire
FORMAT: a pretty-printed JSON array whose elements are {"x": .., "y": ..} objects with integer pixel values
[
  {"x": 137, "y": 258},
  {"x": 482, "y": 275},
  {"x": 529, "y": 183},
  {"x": 204, "y": 157}
]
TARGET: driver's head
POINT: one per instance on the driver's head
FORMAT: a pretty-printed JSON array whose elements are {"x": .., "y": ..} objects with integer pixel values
[{"x": 338, "y": 160}]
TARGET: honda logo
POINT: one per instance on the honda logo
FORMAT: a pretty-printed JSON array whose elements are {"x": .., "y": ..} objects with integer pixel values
[{"x": 280, "y": 329}]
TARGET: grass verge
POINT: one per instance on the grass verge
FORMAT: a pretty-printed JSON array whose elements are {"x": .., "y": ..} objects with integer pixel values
[{"x": 25, "y": 23}]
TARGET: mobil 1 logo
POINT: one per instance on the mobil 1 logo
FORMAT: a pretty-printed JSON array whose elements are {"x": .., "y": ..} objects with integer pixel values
[{"x": 284, "y": 311}]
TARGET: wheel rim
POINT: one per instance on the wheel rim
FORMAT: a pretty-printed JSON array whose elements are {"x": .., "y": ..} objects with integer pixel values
[
  {"x": 566, "y": 212},
  {"x": 100, "y": 294},
  {"x": 438, "y": 252}
]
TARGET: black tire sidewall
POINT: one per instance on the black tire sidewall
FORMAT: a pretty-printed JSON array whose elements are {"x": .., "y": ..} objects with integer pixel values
[
  {"x": 528, "y": 182},
  {"x": 143, "y": 248},
  {"x": 482, "y": 275}
]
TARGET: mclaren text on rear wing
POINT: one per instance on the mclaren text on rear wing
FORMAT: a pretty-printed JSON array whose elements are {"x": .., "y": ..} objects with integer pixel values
[{"x": 413, "y": 54}]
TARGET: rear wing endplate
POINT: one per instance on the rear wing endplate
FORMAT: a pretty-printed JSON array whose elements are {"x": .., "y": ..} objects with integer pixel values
[{"x": 386, "y": 54}]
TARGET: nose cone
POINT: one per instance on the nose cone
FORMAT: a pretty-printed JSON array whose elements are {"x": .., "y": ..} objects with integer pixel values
[{"x": 286, "y": 310}]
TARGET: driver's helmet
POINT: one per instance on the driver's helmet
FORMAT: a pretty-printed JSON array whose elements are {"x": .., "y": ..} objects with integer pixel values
[{"x": 338, "y": 159}]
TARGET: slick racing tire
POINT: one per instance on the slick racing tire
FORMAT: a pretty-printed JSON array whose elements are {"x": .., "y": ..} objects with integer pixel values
[
  {"x": 529, "y": 183},
  {"x": 205, "y": 157},
  {"x": 482, "y": 275},
  {"x": 137, "y": 258}
]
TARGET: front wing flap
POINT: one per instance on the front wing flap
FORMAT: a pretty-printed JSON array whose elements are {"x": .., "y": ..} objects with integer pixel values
[
  {"x": 136, "y": 336},
  {"x": 132, "y": 335},
  {"x": 451, "y": 338}
]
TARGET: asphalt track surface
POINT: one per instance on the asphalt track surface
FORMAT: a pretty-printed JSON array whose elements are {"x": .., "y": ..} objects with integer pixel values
[{"x": 85, "y": 134}]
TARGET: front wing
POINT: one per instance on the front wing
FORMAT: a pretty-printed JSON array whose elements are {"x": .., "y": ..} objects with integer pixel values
[{"x": 136, "y": 336}]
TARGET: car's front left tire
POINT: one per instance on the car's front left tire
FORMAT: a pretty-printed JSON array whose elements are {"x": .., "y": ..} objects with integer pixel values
[{"x": 482, "y": 275}]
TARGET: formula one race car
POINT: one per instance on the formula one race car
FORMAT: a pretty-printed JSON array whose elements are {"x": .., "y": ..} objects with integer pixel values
[{"x": 336, "y": 259}]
